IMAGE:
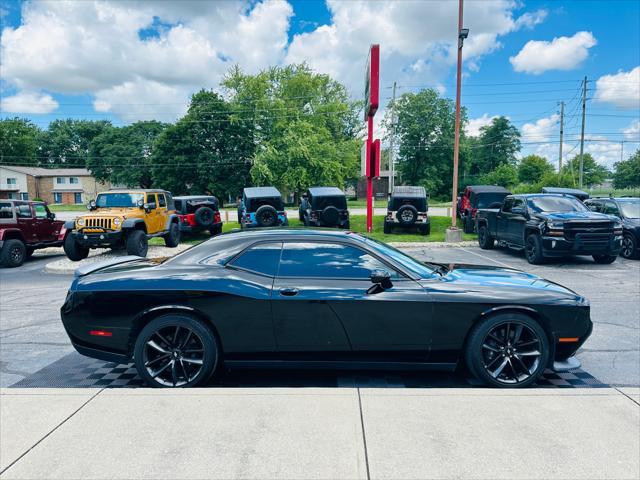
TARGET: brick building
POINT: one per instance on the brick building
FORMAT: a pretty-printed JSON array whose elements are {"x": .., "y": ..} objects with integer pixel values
[{"x": 53, "y": 185}]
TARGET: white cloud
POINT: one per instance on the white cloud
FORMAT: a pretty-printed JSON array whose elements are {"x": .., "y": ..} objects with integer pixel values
[
  {"x": 28, "y": 102},
  {"x": 540, "y": 131},
  {"x": 621, "y": 89},
  {"x": 632, "y": 132},
  {"x": 475, "y": 124},
  {"x": 531, "y": 19},
  {"x": 562, "y": 53}
]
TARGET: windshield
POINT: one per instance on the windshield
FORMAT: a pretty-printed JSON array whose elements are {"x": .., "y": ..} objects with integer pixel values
[
  {"x": 106, "y": 200},
  {"x": 630, "y": 208},
  {"x": 555, "y": 204},
  {"x": 410, "y": 263}
]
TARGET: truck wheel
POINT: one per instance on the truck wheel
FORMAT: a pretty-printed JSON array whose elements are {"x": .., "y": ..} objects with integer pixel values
[
  {"x": 468, "y": 223},
  {"x": 13, "y": 253},
  {"x": 387, "y": 228},
  {"x": 485, "y": 241},
  {"x": 74, "y": 251},
  {"x": 424, "y": 229},
  {"x": 137, "y": 243},
  {"x": 533, "y": 249},
  {"x": 172, "y": 238},
  {"x": 217, "y": 230},
  {"x": 604, "y": 259}
]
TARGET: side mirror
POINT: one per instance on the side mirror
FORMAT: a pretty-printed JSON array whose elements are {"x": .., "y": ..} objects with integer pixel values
[
  {"x": 518, "y": 211},
  {"x": 92, "y": 205},
  {"x": 381, "y": 278},
  {"x": 51, "y": 216},
  {"x": 140, "y": 203},
  {"x": 496, "y": 205},
  {"x": 148, "y": 207}
]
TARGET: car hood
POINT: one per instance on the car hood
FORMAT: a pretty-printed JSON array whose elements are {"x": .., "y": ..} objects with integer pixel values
[{"x": 564, "y": 216}]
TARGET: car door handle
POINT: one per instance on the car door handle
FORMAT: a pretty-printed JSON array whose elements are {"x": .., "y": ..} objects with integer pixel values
[{"x": 288, "y": 292}]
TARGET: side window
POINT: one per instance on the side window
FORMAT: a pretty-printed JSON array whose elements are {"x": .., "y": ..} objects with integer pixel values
[
  {"x": 162, "y": 202},
  {"x": 5, "y": 210},
  {"x": 518, "y": 203},
  {"x": 328, "y": 260},
  {"x": 610, "y": 208},
  {"x": 262, "y": 258},
  {"x": 151, "y": 198},
  {"x": 41, "y": 212},
  {"x": 508, "y": 204},
  {"x": 24, "y": 211},
  {"x": 593, "y": 206}
]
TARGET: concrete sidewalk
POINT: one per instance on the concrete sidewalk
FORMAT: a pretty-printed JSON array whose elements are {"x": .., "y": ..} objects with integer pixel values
[{"x": 320, "y": 433}]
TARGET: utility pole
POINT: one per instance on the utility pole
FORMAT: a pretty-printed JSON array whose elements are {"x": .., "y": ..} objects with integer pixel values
[
  {"x": 392, "y": 159},
  {"x": 584, "y": 109},
  {"x": 561, "y": 137}
]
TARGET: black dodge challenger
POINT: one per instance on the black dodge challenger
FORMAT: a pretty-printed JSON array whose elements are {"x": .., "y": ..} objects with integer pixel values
[{"x": 319, "y": 299}]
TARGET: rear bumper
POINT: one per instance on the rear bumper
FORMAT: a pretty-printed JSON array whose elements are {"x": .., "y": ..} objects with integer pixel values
[
  {"x": 101, "y": 354},
  {"x": 186, "y": 228},
  {"x": 559, "y": 246},
  {"x": 93, "y": 240},
  {"x": 342, "y": 223}
]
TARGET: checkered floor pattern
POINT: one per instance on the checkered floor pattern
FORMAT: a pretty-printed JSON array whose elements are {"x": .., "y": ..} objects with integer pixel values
[{"x": 74, "y": 370}]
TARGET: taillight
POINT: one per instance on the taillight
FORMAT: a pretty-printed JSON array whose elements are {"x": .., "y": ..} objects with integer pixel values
[
  {"x": 100, "y": 333},
  {"x": 217, "y": 217},
  {"x": 473, "y": 212}
]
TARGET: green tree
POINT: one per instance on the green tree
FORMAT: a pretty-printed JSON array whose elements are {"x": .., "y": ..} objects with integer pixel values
[
  {"x": 18, "y": 141},
  {"x": 424, "y": 133},
  {"x": 505, "y": 175},
  {"x": 207, "y": 151},
  {"x": 124, "y": 155},
  {"x": 593, "y": 172},
  {"x": 532, "y": 168},
  {"x": 498, "y": 144},
  {"x": 627, "y": 172},
  {"x": 67, "y": 142}
]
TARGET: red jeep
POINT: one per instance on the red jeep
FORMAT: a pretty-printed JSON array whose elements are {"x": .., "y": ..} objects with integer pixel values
[
  {"x": 475, "y": 197},
  {"x": 24, "y": 227}
]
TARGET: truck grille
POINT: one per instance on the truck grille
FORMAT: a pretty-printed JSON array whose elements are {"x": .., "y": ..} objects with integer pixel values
[
  {"x": 98, "y": 223},
  {"x": 590, "y": 233}
]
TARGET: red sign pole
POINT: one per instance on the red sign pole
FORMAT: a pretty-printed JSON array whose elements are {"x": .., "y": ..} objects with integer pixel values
[
  {"x": 372, "y": 95},
  {"x": 370, "y": 173}
]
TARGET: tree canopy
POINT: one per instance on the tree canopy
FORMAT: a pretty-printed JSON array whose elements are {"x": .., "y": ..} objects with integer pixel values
[
  {"x": 627, "y": 172},
  {"x": 593, "y": 172},
  {"x": 67, "y": 142},
  {"x": 498, "y": 144},
  {"x": 20, "y": 140},
  {"x": 532, "y": 168}
]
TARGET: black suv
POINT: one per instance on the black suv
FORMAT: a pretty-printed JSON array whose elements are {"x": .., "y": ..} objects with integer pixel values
[
  {"x": 626, "y": 209},
  {"x": 407, "y": 209},
  {"x": 261, "y": 207},
  {"x": 198, "y": 213},
  {"x": 324, "y": 207}
]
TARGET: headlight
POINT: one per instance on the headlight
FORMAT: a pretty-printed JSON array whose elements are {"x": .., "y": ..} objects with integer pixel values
[
  {"x": 117, "y": 221},
  {"x": 80, "y": 222},
  {"x": 617, "y": 228},
  {"x": 555, "y": 226}
]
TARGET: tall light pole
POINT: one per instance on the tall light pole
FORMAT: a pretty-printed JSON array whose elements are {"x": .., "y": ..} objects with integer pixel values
[{"x": 462, "y": 34}]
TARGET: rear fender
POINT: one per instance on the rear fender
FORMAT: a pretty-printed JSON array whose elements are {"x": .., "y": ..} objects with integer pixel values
[{"x": 11, "y": 233}]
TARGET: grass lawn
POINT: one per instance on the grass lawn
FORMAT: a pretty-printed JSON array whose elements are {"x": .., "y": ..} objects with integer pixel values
[
  {"x": 57, "y": 207},
  {"x": 358, "y": 224}
]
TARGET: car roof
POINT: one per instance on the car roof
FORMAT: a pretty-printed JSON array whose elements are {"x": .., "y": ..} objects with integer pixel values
[
  {"x": 545, "y": 195},
  {"x": 257, "y": 192},
  {"x": 570, "y": 191},
  {"x": 194, "y": 197},
  {"x": 488, "y": 189},
  {"x": 409, "y": 191},
  {"x": 326, "y": 192},
  {"x": 134, "y": 190}
]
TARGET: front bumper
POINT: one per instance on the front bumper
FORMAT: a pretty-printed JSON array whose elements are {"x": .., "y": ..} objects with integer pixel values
[
  {"x": 97, "y": 239},
  {"x": 560, "y": 246}
]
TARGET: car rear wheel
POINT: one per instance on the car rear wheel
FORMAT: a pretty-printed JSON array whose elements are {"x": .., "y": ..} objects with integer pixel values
[
  {"x": 13, "y": 253},
  {"x": 137, "y": 243},
  {"x": 629, "y": 247},
  {"x": 424, "y": 229},
  {"x": 172, "y": 238},
  {"x": 485, "y": 240},
  {"x": 176, "y": 351},
  {"x": 387, "y": 228},
  {"x": 510, "y": 350},
  {"x": 74, "y": 251},
  {"x": 217, "y": 230},
  {"x": 604, "y": 259},
  {"x": 468, "y": 223},
  {"x": 533, "y": 249}
]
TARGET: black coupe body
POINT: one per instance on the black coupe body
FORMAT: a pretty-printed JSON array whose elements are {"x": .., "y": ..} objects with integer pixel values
[{"x": 316, "y": 298}]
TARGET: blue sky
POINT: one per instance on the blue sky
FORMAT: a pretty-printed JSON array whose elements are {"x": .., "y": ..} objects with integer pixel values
[{"x": 128, "y": 61}]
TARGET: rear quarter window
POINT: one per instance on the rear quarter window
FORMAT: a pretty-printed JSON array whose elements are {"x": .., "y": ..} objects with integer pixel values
[{"x": 6, "y": 210}]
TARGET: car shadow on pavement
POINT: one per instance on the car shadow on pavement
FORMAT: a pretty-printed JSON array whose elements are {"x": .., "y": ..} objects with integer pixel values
[{"x": 74, "y": 370}]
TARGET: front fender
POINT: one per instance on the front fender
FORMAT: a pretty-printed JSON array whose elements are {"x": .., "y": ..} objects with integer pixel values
[
  {"x": 70, "y": 224},
  {"x": 132, "y": 222}
]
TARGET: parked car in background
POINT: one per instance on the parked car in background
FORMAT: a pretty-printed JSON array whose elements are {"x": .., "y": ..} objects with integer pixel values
[
  {"x": 319, "y": 299},
  {"x": 198, "y": 213},
  {"x": 262, "y": 207},
  {"x": 324, "y": 207},
  {"x": 628, "y": 210},
  {"x": 545, "y": 225},
  {"x": 408, "y": 209},
  {"x": 124, "y": 218},
  {"x": 26, "y": 226},
  {"x": 475, "y": 197},
  {"x": 579, "y": 194}
]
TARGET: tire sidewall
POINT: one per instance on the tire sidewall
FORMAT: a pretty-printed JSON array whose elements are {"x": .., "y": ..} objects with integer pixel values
[
  {"x": 537, "y": 258},
  {"x": 414, "y": 215},
  {"x": 6, "y": 254},
  {"x": 74, "y": 251},
  {"x": 206, "y": 212},
  {"x": 137, "y": 243},
  {"x": 172, "y": 239},
  {"x": 262, "y": 211},
  {"x": 634, "y": 247},
  {"x": 209, "y": 340}
]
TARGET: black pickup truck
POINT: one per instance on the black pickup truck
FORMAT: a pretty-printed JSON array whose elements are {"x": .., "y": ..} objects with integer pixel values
[{"x": 550, "y": 226}]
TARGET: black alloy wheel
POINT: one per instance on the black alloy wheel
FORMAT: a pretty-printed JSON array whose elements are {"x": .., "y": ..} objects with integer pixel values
[
  {"x": 629, "y": 247},
  {"x": 407, "y": 215},
  {"x": 204, "y": 216},
  {"x": 13, "y": 253},
  {"x": 175, "y": 351},
  {"x": 266, "y": 216},
  {"x": 485, "y": 240},
  {"x": 533, "y": 249}
]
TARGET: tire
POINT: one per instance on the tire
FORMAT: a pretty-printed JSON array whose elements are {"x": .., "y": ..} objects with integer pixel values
[
  {"x": 266, "y": 216},
  {"x": 387, "y": 228},
  {"x": 629, "y": 248},
  {"x": 347, "y": 225},
  {"x": 485, "y": 240},
  {"x": 330, "y": 216},
  {"x": 13, "y": 253},
  {"x": 305, "y": 221},
  {"x": 604, "y": 259},
  {"x": 204, "y": 216},
  {"x": 496, "y": 347},
  {"x": 74, "y": 251},
  {"x": 217, "y": 230},
  {"x": 407, "y": 215},
  {"x": 172, "y": 238},
  {"x": 179, "y": 367},
  {"x": 137, "y": 243},
  {"x": 424, "y": 229},
  {"x": 468, "y": 225},
  {"x": 533, "y": 249}
]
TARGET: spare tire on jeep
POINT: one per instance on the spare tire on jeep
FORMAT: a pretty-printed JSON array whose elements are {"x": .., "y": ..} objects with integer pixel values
[
  {"x": 330, "y": 216},
  {"x": 407, "y": 215},
  {"x": 266, "y": 216},
  {"x": 204, "y": 216}
]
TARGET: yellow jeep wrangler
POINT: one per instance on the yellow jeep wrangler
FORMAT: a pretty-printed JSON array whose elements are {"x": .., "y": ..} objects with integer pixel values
[{"x": 123, "y": 218}]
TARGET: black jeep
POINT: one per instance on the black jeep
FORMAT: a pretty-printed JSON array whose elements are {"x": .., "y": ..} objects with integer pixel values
[
  {"x": 261, "y": 207},
  {"x": 324, "y": 207},
  {"x": 198, "y": 213},
  {"x": 408, "y": 208}
]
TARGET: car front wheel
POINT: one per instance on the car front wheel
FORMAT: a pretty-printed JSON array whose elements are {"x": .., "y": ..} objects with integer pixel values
[
  {"x": 533, "y": 249},
  {"x": 176, "y": 351},
  {"x": 509, "y": 350},
  {"x": 629, "y": 246},
  {"x": 137, "y": 243},
  {"x": 485, "y": 240},
  {"x": 604, "y": 259},
  {"x": 74, "y": 251}
]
